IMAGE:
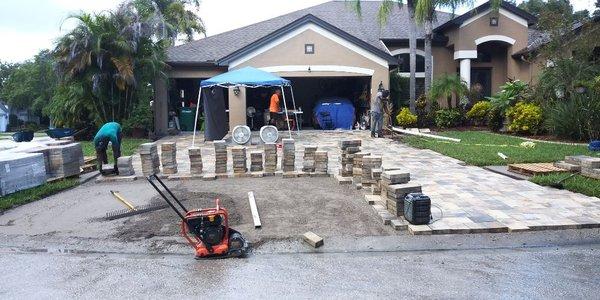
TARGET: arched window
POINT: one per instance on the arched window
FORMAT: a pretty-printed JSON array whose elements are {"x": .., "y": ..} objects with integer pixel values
[{"x": 404, "y": 63}]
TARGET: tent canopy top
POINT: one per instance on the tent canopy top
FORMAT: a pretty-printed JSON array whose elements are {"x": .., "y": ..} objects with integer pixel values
[{"x": 248, "y": 77}]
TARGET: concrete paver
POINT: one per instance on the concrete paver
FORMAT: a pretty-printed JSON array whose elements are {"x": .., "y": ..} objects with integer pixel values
[{"x": 471, "y": 199}]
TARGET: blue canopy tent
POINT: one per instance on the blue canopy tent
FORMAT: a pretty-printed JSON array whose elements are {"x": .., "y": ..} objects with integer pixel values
[{"x": 245, "y": 77}]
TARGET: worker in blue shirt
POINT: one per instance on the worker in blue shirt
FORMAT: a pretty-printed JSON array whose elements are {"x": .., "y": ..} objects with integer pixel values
[{"x": 109, "y": 132}]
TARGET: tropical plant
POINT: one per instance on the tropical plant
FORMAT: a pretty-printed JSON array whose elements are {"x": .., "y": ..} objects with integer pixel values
[
  {"x": 447, "y": 118},
  {"x": 479, "y": 112},
  {"x": 575, "y": 118},
  {"x": 510, "y": 93},
  {"x": 405, "y": 118},
  {"x": 385, "y": 9},
  {"x": 446, "y": 87},
  {"x": 560, "y": 80},
  {"x": 109, "y": 58},
  {"x": 524, "y": 118}
]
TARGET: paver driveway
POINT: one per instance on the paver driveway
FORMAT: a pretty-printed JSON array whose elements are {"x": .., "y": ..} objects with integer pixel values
[{"x": 470, "y": 198}]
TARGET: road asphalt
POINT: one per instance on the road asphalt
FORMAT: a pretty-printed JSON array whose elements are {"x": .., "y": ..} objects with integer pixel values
[{"x": 538, "y": 271}]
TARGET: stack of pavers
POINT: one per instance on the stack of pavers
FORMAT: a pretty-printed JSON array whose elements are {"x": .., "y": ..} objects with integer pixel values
[
  {"x": 65, "y": 160},
  {"x": 589, "y": 166},
  {"x": 357, "y": 168},
  {"x": 125, "y": 166},
  {"x": 289, "y": 156},
  {"x": 168, "y": 158},
  {"x": 376, "y": 187},
  {"x": 370, "y": 163},
  {"x": 220, "y": 157},
  {"x": 394, "y": 188},
  {"x": 309, "y": 160},
  {"x": 20, "y": 171},
  {"x": 349, "y": 148},
  {"x": 270, "y": 159},
  {"x": 149, "y": 158},
  {"x": 238, "y": 154},
  {"x": 256, "y": 161},
  {"x": 321, "y": 162},
  {"x": 195, "y": 154}
]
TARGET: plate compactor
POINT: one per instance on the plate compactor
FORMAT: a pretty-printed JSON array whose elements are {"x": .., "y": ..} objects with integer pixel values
[{"x": 206, "y": 230}]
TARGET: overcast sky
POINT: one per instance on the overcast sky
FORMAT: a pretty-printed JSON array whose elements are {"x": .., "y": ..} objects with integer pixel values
[{"x": 28, "y": 26}]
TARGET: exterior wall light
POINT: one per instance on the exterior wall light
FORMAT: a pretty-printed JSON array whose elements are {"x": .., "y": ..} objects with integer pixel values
[
  {"x": 494, "y": 21},
  {"x": 236, "y": 90}
]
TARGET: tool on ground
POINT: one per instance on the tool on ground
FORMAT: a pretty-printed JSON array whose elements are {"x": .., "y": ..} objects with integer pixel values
[
  {"x": 206, "y": 230},
  {"x": 122, "y": 199},
  {"x": 559, "y": 184}
]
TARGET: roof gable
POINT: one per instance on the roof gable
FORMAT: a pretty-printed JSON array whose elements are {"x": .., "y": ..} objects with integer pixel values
[
  {"x": 209, "y": 50},
  {"x": 299, "y": 26},
  {"x": 512, "y": 12}
]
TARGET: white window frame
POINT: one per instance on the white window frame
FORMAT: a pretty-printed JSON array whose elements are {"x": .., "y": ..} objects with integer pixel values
[{"x": 420, "y": 53}]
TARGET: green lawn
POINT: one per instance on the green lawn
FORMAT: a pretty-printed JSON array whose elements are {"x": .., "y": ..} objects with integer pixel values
[
  {"x": 481, "y": 148},
  {"x": 580, "y": 184},
  {"x": 128, "y": 147},
  {"x": 36, "y": 193}
]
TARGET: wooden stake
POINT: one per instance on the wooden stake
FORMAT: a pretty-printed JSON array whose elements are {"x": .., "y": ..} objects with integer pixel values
[{"x": 254, "y": 210}]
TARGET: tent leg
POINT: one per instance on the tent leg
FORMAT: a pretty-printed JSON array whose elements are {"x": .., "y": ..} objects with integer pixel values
[
  {"x": 196, "y": 119},
  {"x": 295, "y": 109},
  {"x": 286, "y": 112}
]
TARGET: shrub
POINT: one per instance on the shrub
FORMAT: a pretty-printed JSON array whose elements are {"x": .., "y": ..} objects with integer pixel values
[
  {"x": 576, "y": 118},
  {"x": 524, "y": 118},
  {"x": 141, "y": 118},
  {"x": 405, "y": 118},
  {"x": 447, "y": 118},
  {"x": 495, "y": 119},
  {"x": 510, "y": 93},
  {"x": 479, "y": 111}
]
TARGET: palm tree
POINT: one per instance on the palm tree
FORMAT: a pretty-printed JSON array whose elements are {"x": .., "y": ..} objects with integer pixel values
[
  {"x": 425, "y": 15},
  {"x": 448, "y": 86},
  {"x": 385, "y": 9}
]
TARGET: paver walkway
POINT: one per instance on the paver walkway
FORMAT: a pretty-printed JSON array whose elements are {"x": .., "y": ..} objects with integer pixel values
[{"x": 471, "y": 199}]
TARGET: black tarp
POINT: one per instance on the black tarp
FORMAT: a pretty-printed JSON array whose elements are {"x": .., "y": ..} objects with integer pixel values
[{"x": 215, "y": 126}]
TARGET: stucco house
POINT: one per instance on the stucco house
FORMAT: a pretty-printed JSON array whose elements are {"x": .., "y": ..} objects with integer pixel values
[{"x": 328, "y": 49}]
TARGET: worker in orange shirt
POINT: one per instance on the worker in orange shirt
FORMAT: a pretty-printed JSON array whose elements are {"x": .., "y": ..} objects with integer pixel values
[{"x": 275, "y": 108}]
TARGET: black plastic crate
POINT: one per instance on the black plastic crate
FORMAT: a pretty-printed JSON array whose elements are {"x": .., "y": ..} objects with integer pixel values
[{"x": 417, "y": 208}]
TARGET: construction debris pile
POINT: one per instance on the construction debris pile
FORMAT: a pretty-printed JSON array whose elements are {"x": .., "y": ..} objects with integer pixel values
[
  {"x": 238, "y": 154},
  {"x": 125, "y": 166},
  {"x": 220, "y": 156},
  {"x": 168, "y": 158},
  {"x": 20, "y": 171},
  {"x": 195, "y": 155},
  {"x": 149, "y": 158}
]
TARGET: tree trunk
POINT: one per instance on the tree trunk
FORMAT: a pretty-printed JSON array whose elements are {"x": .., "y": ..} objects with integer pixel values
[
  {"x": 428, "y": 58},
  {"x": 412, "y": 45}
]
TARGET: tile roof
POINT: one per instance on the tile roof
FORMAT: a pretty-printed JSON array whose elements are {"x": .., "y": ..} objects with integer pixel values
[{"x": 337, "y": 13}]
